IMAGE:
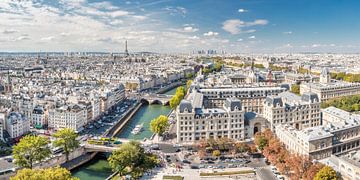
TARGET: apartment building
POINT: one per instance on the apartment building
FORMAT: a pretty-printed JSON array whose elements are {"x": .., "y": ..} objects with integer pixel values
[
  {"x": 17, "y": 124},
  {"x": 338, "y": 135},
  {"x": 288, "y": 108},
  {"x": 39, "y": 117},
  {"x": 70, "y": 116},
  {"x": 327, "y": 89},
  {"x": 196, "y": 121},
  {"x": 251, "y": 98}
]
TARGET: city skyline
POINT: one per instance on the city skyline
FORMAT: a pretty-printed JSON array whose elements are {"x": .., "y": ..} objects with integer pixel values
[{"x": 179, "y": 26}]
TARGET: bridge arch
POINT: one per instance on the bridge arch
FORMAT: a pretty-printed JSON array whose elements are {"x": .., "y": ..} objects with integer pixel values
[
  {"x": 156, "y": 101},
  {"x": 144, "y": 101}
]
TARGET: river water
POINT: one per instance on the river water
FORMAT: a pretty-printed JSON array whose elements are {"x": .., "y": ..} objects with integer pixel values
[{"x": 98, "y": 168}]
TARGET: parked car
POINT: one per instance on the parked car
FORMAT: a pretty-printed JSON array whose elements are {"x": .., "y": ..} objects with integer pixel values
[{"x": 202, "y": 166}]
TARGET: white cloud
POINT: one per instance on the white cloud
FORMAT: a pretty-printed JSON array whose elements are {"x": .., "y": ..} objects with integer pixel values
[
  {"x": 252, "y": 37},
  {"x": 211, "y": 33},
  {"x": 194, "y": 37},
  {"x": 65, "y": 34},
  {"x": 176, "y": 10},
  {"x": 322, "y": 45},
  {"x": 240, "y": 40},
  {"x": 242, "y": 10},
  {"x": 190, "y": 29},
  {"x": 104, "y": 5},
  {"x": 287, "y": 32},
  {"x": 20, "y": 38},
  {"x": 9, "y": 31},
  {"x": 49, "y": 38},
  {"x": 234, "y": 26}
]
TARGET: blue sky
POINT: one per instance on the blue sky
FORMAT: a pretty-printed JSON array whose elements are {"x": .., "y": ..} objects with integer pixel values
[{"x": 244, "y": 26}]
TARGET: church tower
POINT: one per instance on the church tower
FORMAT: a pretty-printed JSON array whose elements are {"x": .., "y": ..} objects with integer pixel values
[{"x": 325, "y": 76}]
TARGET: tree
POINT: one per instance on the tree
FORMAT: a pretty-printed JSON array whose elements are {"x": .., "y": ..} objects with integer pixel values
[
  {"x": 178, "y": 96},
  {"x": 206, "y": 70},
  {"x": 216, "y": 153},
  {"x": 189, "y": 75},
  {"x": 180, "y": 92},
  {"x": 188, "y": 84},
  {"x": 260, "y": 141},
  {"x": 295, "y": 89},
  {"x": 313, "y": 169},
  {"x": 159, "y": 124},
  {"x": 55, "y": 173},
  {"x": 174, "y": 102},
  {"x": 218, "y": 66},
  {"x": 131, "y": 158},
  {"x": 326, "y": 173},
  {"x": 31, "y": 149},
  {"x": 298, "y": 165},
  {"x": 66, "y": 139},
  {"x": 242, "y": 147}
]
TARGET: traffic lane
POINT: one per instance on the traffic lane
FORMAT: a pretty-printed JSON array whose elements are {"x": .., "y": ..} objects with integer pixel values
[{"x": 265, "y": 174}]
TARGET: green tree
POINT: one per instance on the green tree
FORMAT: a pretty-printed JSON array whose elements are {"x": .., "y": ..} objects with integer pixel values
[
  {"x": 189, "y": 76},
  {"x": 295, "y": 89},
  {"x": 177, "y": 97},
  {"x": 218, "y": 66},
  {"x": 55, "y": 173},
  {"x": 206, "y": 70},
  {"x": 180, "y": 92},
  {"x": 159, "y": 124},
  {"x": 326, "y": 173},
  {"x": 131, "y": 158},
  {"x": 216, "y": 153},
  {"x": 174, "y": 101},
  {"x": 188, "y": 84},
  {"x": 31, "y": 149},
  {"x": 261, "y": 141},
  {"x": 66, "y": 139}
]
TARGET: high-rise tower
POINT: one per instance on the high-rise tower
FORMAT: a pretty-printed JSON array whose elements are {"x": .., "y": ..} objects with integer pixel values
[{"x": 126, "y": 50}]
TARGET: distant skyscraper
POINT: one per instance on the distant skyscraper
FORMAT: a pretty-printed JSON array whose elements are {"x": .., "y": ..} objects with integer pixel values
[{"x": 126, "y": 50}]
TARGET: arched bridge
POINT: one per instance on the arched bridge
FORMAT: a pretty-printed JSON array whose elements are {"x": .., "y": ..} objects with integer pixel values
[
  {"x": 157, "y": 98},
  {"x": 105, "y": 148}
]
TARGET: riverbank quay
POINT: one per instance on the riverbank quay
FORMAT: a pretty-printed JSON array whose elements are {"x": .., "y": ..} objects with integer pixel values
[
  {"x": 169, "y": 87},
  {"x": 124, "y": 120}
]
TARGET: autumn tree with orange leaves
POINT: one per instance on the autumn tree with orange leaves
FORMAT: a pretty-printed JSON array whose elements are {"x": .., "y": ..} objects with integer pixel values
[{"x": 294, "y": 166}]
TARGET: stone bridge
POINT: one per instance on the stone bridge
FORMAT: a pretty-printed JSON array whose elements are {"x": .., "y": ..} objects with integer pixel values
[
  {"x": 157, "y": 98},
  {"x": 99, "y": 148},
  {"x": 104, "y": 148}
]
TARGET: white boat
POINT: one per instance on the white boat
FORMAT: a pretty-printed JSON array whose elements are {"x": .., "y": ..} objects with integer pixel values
[{"x": 138, "y": 128}]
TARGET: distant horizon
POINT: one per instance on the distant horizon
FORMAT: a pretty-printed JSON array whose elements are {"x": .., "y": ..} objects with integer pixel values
[{"x": 104, "y": 52}]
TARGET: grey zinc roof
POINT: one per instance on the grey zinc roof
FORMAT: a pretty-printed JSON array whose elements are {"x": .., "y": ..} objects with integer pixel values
[
  {"x": 274, "y": 100},
  {"x": 310, "y": 97},
  {"x": 185, "y": 104},
  {"x": 232, "y": 103}
]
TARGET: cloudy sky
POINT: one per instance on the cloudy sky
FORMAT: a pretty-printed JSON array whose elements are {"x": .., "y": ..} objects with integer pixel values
[{"x": 259, "y": 26}]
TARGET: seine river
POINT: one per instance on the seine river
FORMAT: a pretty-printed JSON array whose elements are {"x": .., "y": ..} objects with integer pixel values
[{"x": 98, "y": 168}]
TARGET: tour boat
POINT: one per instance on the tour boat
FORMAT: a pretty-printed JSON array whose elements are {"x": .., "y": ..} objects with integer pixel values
[{"x": 137, "y": 129}]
